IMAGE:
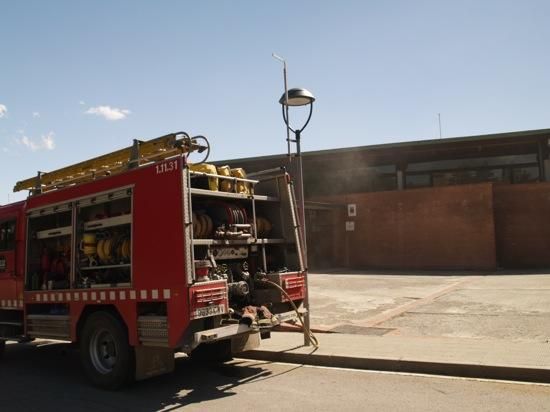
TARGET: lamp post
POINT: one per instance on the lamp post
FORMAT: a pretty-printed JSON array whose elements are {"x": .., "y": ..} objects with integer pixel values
[{"x": 292, "y": 98}]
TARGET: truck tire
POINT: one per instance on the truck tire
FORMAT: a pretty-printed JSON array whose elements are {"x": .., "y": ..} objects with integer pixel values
[
  {"x": 217, "y": 352},
  {"x": 107, "y": 357}
]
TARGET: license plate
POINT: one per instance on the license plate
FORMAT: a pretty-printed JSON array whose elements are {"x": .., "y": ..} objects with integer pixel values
[{"x": 208, "y": 311}]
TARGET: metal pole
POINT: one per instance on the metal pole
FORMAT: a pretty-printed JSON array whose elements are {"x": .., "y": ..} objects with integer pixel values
[
  {"x": 286, "y": 109},
  {"x": 439, "y": 118},
  {"x": 285, "y": 79},
  {"x": 300, "y": 190},
  {"x": 302, "y": 217}
]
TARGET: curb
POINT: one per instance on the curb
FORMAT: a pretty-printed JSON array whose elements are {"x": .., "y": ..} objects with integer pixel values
[{"x": 506, "y": 373}]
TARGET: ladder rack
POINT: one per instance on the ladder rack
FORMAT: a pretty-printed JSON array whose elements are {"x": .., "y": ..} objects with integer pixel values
[{"x": 141, "y": 152}]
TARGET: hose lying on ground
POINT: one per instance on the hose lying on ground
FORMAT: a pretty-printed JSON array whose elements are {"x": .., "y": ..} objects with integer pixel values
[{"x": 306, "y": 330}]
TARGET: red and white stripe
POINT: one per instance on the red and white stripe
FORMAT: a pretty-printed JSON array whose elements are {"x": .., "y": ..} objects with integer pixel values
[
  {"x": 99, "y": 296},
  {"x": 11, "y": 304}
]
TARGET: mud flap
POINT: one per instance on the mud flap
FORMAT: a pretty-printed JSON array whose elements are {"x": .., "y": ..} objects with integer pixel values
[{"x": 153, "y": 361}]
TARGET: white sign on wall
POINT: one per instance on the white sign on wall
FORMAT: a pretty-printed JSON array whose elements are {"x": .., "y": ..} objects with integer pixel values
[
  {"x": 350, "y": 226},
  {"x": 352, "y": 210}
]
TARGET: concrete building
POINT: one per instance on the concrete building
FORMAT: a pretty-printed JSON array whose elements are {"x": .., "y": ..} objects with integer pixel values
[{"x": 476, "y": 202}]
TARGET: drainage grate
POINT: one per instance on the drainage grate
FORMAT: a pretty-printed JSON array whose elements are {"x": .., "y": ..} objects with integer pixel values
[{"x": 361, "y": 330}]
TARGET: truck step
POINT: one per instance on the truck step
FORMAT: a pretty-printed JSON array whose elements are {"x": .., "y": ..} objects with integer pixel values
[
  {"x": 11, "y": 323},
  {"x": 153, "y": 330},
  {"x": 49, "y": 326},
  {"x": 9, "y": 330}
]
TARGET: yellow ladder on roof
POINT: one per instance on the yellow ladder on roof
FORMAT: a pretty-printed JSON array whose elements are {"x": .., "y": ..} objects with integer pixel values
[{"x": 111, "y": 163}]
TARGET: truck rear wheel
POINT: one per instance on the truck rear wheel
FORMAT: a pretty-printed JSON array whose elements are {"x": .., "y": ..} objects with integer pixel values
[{"x": 106, "y": 355}]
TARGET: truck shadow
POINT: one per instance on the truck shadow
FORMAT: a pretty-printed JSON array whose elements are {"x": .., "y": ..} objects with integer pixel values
[{"x": 46, "y": 375}]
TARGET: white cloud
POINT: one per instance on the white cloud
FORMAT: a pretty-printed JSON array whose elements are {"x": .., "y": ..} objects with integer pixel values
[
  {"x": 3, "y": 110},
  {"x": 82, "y": 102},
  {"x": 46, "y": 142},
  {"x": 35, "y": 114},
  {"x": 108, "y": 112}
]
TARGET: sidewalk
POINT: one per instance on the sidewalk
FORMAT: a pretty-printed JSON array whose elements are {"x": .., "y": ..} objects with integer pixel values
[
  {"x": 483, "y": 325},
  {"x": 490, "y": 359}
]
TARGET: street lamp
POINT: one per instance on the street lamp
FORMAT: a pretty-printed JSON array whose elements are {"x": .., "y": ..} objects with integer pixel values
[
  {"x": 292, "y": 98},
  {"x": 297, "y": 97}
]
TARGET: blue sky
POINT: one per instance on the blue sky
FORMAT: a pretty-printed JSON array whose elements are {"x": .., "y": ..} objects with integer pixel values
[{"x": 81, "y": 78}]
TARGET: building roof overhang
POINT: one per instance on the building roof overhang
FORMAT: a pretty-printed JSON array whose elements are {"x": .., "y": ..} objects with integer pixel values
[{"x": 497, "y": 144}]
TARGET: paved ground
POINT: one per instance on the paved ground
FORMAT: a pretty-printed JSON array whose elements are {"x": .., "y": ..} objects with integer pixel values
[
  {"x": 474, "y": 358},
  {"x": 48, "y": 377},
  {"x": 509, "y": 307},
  {"x": 469, "y": 320},
  {"x": 457, "y": 324}
]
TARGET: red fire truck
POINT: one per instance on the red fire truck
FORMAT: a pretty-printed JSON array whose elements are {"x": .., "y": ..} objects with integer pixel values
[{"x": 140, "y": 253}]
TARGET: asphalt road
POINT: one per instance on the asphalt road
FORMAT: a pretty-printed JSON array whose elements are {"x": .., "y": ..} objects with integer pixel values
[{"x": 48, "y": 377}]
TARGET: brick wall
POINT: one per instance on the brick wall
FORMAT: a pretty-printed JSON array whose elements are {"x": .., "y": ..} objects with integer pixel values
[
  {"x": 435, "y": 228},
  {"x": 522, "y": 221}
]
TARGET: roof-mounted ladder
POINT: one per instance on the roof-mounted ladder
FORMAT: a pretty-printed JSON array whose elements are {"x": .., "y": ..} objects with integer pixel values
[{"x": 140, "y": 153}]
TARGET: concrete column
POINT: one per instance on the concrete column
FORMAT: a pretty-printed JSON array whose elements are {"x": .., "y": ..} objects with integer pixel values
[
  {"x": 401, "y": 168},
  {"x": 543, "y": 160},
  {"x": 400, "y": 179}
]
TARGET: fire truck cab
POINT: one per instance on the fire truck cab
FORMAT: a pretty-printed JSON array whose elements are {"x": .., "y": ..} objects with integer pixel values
[{"x": 138, "y": 254}]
